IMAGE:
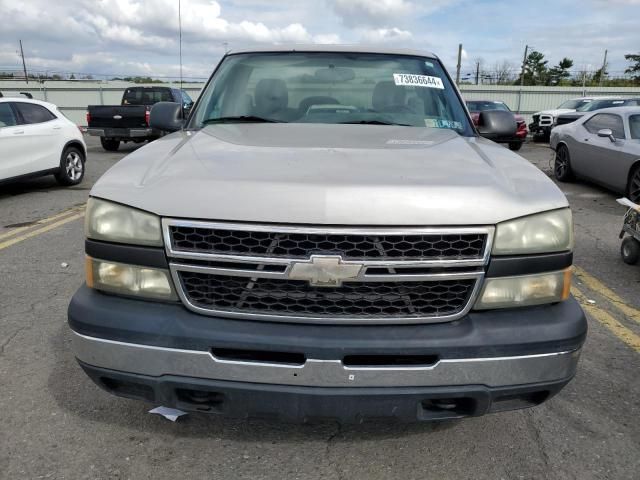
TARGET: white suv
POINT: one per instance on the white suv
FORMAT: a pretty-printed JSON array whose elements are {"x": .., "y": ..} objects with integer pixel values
[{"x": 37, "y": 139}]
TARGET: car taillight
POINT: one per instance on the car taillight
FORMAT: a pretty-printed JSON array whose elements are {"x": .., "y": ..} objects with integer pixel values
[
  {"x": 88, "y": 118},
  {"x": 147, "y": 114}
]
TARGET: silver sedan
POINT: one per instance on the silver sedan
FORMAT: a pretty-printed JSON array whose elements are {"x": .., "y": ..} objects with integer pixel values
[{"x": 603, "y": 147}]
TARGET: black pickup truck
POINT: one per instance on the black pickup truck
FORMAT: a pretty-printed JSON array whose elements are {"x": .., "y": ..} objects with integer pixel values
[{"x": 129, "y": 121}]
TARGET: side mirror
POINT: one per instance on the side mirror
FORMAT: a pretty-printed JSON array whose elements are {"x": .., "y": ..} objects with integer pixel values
[
  {"x": 166, "y": 116},
  {"x": 607, "y": 133},
  {"x": 496, "y": 124}
]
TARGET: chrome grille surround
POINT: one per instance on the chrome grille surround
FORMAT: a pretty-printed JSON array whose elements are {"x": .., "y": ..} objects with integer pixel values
[{"x": 380, "y": 269}]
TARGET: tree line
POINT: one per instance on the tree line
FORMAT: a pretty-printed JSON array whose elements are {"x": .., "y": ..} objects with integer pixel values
[{"x": 537, "y": 71}]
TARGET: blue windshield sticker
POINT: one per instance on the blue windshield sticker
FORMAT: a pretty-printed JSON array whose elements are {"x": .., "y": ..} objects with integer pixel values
[{"x": 440, "y": 123}]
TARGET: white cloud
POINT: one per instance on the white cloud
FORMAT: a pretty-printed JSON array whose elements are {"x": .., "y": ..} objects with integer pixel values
[
  {"x": 386, "y": 35},
  {"x": 327, "y": 38},
  {"x": 371, "y": 12}
]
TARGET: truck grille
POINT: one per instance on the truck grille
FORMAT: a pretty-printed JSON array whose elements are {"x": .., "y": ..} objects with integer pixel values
[
  {"x": 351, "y": 300},
  {"x": 301, "y": 245},
  {"x": 326, "y": 274}
]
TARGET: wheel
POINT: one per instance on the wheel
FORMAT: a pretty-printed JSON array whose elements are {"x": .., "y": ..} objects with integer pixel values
[
  {"x": 630, "y": 250},
  {"x": 515, "y": 146},
  {"x": 562, "y": 165},
  {"x": 71, "y": 171},
  {"x": 633, "y": 189},
  {"x": 109, "y": 145}
]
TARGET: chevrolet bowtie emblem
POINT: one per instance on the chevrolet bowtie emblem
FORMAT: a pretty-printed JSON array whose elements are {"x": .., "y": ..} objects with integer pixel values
[{"x": 325, "y": 271}]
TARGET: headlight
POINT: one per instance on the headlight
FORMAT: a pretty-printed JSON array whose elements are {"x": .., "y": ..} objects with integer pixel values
[
  {"x": 129, "y": 280},
  {"x": 113, "y": 222},
  {"x": 505, "y": 292},
  {"x": 541, "y": 233}
]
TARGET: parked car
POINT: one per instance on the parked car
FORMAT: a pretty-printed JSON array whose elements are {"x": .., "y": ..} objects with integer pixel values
[
  {"x": 603, "y": 147},
  {"x": 596, "y": 105},
  {"x": 37, "y": 139},
  {"x": 515, "y": 142},
  {"x": 371, "y": 257},
  {"x": 544, "y": 121},
  {"x": 129, "y": 121}
]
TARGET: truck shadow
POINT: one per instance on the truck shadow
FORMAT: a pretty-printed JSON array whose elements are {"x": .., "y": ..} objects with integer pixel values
[{"x": 77, "y": 395}]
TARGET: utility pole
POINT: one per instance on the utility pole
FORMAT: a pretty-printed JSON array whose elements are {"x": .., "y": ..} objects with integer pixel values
[
  {"x": 459, "y": 64},
  {"x": 604, "y": 67},
  {"x": 180, "y": 39},
  {"x": 524, "y": 62},
  {"x": 477, "y": 71},
  {"x": 24, "y": 65}
]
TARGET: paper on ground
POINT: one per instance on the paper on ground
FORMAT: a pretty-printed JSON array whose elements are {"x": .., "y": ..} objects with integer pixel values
[
  {"x": 168, "y": 413},
  {"x": 628, "y": 203}
]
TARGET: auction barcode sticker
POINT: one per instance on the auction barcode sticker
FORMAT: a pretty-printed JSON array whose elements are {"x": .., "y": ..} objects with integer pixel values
[{"x": 409, "y": 80}]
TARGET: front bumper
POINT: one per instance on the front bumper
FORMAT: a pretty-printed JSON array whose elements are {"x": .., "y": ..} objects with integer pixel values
[
  {"x": 540, "y": 130},
  {"x": 121, "y": 132},
  {"x": 486, "y": 361}
]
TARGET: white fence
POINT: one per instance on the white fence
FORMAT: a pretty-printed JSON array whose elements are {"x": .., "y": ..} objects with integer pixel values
[{"x": 72, "y": 97}]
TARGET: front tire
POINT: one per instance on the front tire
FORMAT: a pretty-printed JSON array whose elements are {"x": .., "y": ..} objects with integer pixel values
[
  {"x": 630, "y": 250},
  {"x": 110, "y": 145},
  {"x": 562, "y": 165},
  {"x": 71, "y": 171},
  {"x": 515, "y": 146},
  {"x": 633, "y": 189}
]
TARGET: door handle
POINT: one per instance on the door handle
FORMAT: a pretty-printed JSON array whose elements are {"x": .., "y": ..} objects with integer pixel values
[
  {"x": 19, "y": 132},
  {"x": 57, "y": 128},
  {"x": 586, "y": 139}
]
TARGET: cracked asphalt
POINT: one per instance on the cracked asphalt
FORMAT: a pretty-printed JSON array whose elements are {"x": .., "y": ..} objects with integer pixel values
[{"x": 55, "y": 423}]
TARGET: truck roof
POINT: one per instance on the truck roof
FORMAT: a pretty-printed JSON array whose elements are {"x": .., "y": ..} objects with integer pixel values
[{"x": 332, "y": 48}]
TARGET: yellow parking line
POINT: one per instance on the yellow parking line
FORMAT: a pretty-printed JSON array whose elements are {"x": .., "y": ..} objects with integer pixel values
[
  {"x": 599, "y": 287},
  {"x": 39, "y": 231},
  {"x": 44, "y": 221},
  {"x": 606, "y": 319}
]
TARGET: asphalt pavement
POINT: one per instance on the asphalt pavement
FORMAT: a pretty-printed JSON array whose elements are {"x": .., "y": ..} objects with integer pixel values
[{"x": 55, "y": 423}]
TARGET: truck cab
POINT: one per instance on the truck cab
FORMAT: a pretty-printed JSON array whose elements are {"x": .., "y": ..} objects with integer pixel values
[{"x": 129, "y": 121}]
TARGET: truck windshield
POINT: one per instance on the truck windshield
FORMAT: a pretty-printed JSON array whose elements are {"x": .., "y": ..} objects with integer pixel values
[
  {"x": 332, "y": 87},
  {"x": 598, "y": 104},
  {"x": 479, "y": 106},
  {"x": 573, "y": 104}
]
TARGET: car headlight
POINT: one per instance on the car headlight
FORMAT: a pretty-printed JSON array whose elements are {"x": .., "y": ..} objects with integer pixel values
[
  {"x": 541, "y": 233},
  {"x": 526, "y": 290},
  {"x": 130, "y": 280},
  {"x": 113, "y": 222}
]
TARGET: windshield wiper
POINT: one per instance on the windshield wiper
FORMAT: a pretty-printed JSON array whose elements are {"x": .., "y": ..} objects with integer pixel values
[
  {"x": 241, "y": 118},
  {"x": 376, "y": 122}
]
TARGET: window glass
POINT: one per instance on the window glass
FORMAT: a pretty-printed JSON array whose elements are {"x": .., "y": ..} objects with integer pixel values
[
  {"x": 605, "y": 120},
  {"x": 146, "y": 96},
  {"x": 634, "y": 126},
  {"x": 185, "y": 97},
  {"x": 573, "y": 104},
  {"x": 7, "y": 118},
  {"x": 478, "y": 106},
  {"x": 32, "y": 113},
  {"x": 333, "y": 87},
  {"x": 598, "y": 104}
]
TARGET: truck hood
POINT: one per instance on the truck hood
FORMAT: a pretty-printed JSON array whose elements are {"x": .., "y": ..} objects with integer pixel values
[
  {"x": 329, "y": 174},
  {"x": 556, "y": 112}
]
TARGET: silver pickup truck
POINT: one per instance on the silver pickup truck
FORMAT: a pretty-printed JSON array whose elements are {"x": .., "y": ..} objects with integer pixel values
[{"x": 328, "y": 235}]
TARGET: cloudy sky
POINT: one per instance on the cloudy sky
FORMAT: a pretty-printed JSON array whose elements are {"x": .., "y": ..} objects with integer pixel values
[{"x": 139, "y": 37}]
